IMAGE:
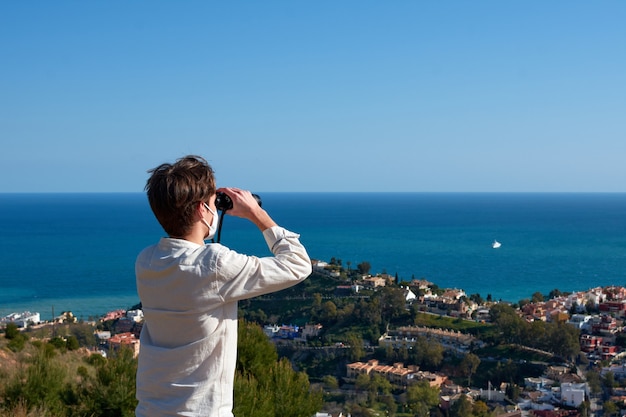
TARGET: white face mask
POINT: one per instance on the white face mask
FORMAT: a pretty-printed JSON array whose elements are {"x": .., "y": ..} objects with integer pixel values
[{"x": 213, "y": 226}]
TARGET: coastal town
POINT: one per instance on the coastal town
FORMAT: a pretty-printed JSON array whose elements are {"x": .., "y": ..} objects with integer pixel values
[{"x": 585, "y": 380}]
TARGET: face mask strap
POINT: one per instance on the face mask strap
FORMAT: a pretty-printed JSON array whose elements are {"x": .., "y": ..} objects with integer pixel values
[{"x": 220, "y": 222}]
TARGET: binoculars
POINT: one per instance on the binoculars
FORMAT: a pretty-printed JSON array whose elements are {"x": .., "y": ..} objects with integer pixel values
[{"x": 223, "y": 202}]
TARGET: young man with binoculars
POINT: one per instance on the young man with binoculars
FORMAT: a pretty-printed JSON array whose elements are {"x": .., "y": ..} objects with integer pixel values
[{"x": 189, "y": 290}]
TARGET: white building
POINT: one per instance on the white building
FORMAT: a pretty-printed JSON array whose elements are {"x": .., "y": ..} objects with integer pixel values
[
  {"x": 573, "y": 394},
  {"x": 581, "y": 321},
  {"x": 135, "y": 315},
  {"x": 22, "y": 320}
]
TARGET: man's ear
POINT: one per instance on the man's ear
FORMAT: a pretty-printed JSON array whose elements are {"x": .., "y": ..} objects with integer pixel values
[{"x": 200, "y": 209}]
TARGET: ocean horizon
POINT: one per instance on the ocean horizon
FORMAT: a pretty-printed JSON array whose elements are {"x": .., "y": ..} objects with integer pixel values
[{"x": 76, "y": 251}]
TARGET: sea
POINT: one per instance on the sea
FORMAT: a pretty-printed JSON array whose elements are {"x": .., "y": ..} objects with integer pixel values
[{"x": 76, "y": 251}]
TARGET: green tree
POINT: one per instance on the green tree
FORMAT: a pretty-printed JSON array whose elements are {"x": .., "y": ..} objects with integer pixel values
[
  {"x": 362, "y": 382},
  {"x": 392, "y": 302},
  {"x": 421, "y": 398},
  {"x": 462, "y": 407},
  {"x": 368, "y": 313},
  {"x": 563, "y": 340},
  {"x": 608, "y": 381},
  {"x": 328, "y": 312},
  {"x": 426, "y": 353},
  {"x": 554, "y": 293},
  {"x": 17, "y": 340},
  {"x": 610, "y": 409},
  {"x": 508, "y": 323},
  {"x": 37, "y": 386},
  {"x": 357, "y": 347},
  {"x": 255, "y": 353},
  {"x": 265, "y": 386},
  {"x": 477, "y": 298},
  {"x": 251, "y": 399},
  {"x": 537, "y": 297},
  {"x": 585, "y": 409},
  {"x": 112, "y": 392},
  {"x": 84, "y": 333},
  {"x": 469, "y": 365},
  {"x": 512, "y": 391},
  {"x": 330, "y": 382},
  {"x": 11, "y": 331},
  {"x": 480, "y": 409},
  {"x": 364, "y": 268},
  {"x": 292, "y": 394},
  {"x": 594, "y": 381},
  {"x": 72, "y": 343}
]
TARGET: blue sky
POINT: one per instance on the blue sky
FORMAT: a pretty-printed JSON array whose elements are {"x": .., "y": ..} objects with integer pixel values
[{"x": 315, "y": 96}]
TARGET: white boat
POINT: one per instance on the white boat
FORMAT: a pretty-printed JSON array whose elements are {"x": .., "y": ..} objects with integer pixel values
[{"x": 496, "y": 244}]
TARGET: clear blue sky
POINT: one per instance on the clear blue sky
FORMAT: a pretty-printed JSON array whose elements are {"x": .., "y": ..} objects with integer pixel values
[{"x": 315, "y": 95}]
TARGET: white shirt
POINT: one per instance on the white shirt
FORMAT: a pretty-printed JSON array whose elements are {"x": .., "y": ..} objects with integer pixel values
[{"x": 189, "y": 296}]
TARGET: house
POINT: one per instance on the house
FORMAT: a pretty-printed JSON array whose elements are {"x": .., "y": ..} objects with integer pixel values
[
  {"x": 396, "y": 374},
  {"x": 103, "y": 337},
  {"x": 580, "y": 321},
  {"x": 604, "y": 324},
  {"x": 613, "y": 307},
  {"x": 409, "y": 295},
  {"x": 124, "y": 325},
  {"x": 406, "y": 336},
  {"x": 124, "y": 340},
  {"x": 589, "y": 343},
  {"x": 288, "y": 332},
  {"x": 433, "y": 379},
  {"x": 114, "y": 315},
  {"x": 271, "y": 330},
  {"x": 374, "y": 282},
  {"x": 618, "y": 371},
  {"x": 573, "y": 395},
  {"x": 311, "y": 330},
  {"x": 537, "y": 383},
  {"x": 608, "y": 351},
  {"x": 22, "y": 320},
  {"x": 135, "y": 315}
]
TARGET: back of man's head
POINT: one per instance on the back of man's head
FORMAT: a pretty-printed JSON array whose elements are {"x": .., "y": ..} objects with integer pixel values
[{"x": 175, "y": 189}]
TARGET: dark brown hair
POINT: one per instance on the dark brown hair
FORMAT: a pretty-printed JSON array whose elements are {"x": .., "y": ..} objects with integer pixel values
[{"x": 175, "y": 189}]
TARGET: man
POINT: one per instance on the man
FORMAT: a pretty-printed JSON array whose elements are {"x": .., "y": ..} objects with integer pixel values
[{"x": 189, "y": 291}]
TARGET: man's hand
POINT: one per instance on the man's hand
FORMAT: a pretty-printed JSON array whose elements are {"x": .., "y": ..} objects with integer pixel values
[{"x": 246, "y": 206}]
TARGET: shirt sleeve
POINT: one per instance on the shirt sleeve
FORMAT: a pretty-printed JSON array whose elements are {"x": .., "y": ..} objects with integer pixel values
[{"x": 250, "y": 276}]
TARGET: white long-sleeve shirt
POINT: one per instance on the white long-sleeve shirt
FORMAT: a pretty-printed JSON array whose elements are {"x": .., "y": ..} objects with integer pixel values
[{"x": 189, "y": 295}]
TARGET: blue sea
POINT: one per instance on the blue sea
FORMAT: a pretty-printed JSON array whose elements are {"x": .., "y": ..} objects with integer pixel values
[{"x": 76, "y": 252}]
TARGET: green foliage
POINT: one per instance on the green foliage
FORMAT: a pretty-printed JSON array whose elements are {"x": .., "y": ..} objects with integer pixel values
[
  {"x": 558, "y": 338},
  {"x": 330, "y": 382},
  {"x": 461, "y": 407},
  {"x": 441, "y": 322},
  {"x": 421, "y": 398},
  {"x": 265, "y": 386},
  {"x": 251, "y": 399},
  {"x": 426, "y": 354},
  {"x": 47, "y": 383},
  {"x": 11, "y": 331},
  {"x": 112, "y": 392},
  {"x": 58, "y": 342},
  {"x": 84, "y": 334},
  {"x": 17, "y": 344},
  {"x": 255, "y": 353},
  {"x": 364, "y": 268},
  {"x": 17, "y": 340},
  {"x": 72, "y": 343},
  {"x": 356, "y": 349},
  {"x": 609, "y": 409},
  {"x": 469, "y": 365},
  {"x": 37, "y": 385}
]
